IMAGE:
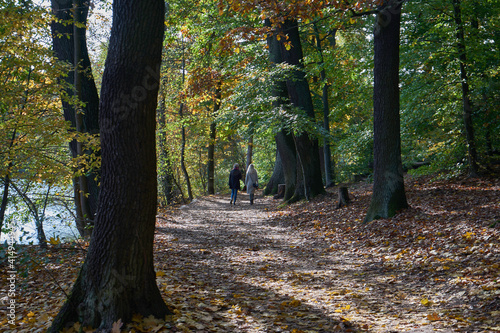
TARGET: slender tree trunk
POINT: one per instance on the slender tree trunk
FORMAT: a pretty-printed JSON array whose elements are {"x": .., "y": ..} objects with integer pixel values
[
  {"x": 6, "y": 183},
  {"x": 300, "y": 96},
  {"x": 5, "y": 198},
  {"x": 183, "y": 154},
  {"x": 166, "y": 174},
  {"x": 83, "y": 187},
  {"x": 32, "y": 207},
  {"x": 466, "y": 99},
  {"x": 327, "y": 154},
  {"x": 211, "y": 144},
  {"x": 70, "y": 45},
  {"x": 249, "y": 151},
  {"x": 388, "y": 188},
  {"x": 118, "y": 279},
  {"x": 183, "y": 134}
]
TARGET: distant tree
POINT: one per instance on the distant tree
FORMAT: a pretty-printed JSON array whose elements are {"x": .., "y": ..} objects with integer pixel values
[
  {"x": 388, "y": 187},
  {"x": 466, "y": 95},
  {"x": 118, "y": 279}
]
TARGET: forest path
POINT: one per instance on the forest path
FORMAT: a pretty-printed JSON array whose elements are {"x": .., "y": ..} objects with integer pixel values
[{"x": 232, "y": 268}]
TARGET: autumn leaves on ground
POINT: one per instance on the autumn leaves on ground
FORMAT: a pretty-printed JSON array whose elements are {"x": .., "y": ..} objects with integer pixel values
[{"x": 307, "y": 267}]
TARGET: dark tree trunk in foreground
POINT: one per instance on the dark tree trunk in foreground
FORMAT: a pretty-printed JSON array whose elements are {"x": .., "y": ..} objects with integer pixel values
[
  {"x": 466, "y": 99},
  {"x": 388, "y": 187},
  {"x": 118, "y": 279},
  {"x": 300, "y": 96},
  {"x": 64, "y": 42}
]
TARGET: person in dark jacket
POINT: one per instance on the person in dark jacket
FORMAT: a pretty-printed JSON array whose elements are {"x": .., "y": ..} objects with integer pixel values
[{"x": 234, "y": 182}]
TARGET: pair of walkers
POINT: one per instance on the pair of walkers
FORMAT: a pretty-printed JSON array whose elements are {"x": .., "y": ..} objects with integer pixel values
[{"x": 251, "y": 182}]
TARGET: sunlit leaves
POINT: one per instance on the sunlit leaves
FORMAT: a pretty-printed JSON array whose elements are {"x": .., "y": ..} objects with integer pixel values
[{"x": 33, "y": 133}]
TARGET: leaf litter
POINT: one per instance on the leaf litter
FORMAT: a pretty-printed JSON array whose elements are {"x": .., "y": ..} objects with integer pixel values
[{"x": 307, "y": 267}]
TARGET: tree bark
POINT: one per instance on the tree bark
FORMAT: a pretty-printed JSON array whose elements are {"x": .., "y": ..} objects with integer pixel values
[
  {"x": 67, "y": 39},
  {"x": 288, "y": 153},
  {"x": 284, "y": 142},
  {"x": 277, "y": 177},
  {"x": 211, "y": 144},
  {"x": 166, "y": 174},
  {"x": 327, "y": 154},
  {"x": 344, "y": 199},
  {"x": 300, "y": 96},
  {"x": 5, "y": 198},
  {"x": 183, "y": 154},
  {"x": 249, "y": 151},
  {"x": 466, "y": 99},
  {"x": 388, "y": 188},
  {"x": 118, "y": 279}
]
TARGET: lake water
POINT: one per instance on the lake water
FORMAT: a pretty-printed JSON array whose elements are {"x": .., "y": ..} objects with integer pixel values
[{"x": 58, "y": 223}]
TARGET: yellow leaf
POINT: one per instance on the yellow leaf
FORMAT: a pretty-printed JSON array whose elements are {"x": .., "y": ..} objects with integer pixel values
[
  {"x": 425, "y": 301},
  {"x": 54, "y": 241},
  {"x": 30, "y": 314},
  {"x": 160, "y": 273}
]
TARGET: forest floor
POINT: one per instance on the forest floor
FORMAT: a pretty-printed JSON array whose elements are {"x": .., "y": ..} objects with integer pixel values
[{"x": 309, "y": 267}]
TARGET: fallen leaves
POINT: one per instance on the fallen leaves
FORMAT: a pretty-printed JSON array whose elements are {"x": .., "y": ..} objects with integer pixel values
[{"x": 307, "y": 267}]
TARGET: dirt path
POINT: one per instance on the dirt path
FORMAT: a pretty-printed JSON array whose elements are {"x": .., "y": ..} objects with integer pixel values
[{"x": 235, "y": 269}]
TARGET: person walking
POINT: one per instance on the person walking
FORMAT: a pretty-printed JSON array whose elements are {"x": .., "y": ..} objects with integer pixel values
[
  {"x": 234, "y": 182},
  {"x": 251, "y": 182}
]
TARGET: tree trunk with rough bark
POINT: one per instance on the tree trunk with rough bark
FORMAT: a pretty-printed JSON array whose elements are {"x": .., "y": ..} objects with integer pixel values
[
  {"x": 118, "y": 279},
  {"x": 388, "y": 187},
  {"x": 285, "y": 145},
  {"x": 288, "y": 153},
  {"x": 300, "y": 96},
  {"x": 277, "y": 177}
]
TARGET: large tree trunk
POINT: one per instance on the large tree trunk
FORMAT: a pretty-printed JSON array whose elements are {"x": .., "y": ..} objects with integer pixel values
[
  {"x": 288, "y": 153},
  {"x": 278, "y": 177},
  {"x": 65, "y": 39},
  {"x": 388, "y": 188},
  {"x": 466, "y": 100},
  {"x": 300, "y": 96},
  {"x": 284, "y": 141},
  {"x": 117, "y": 279}
]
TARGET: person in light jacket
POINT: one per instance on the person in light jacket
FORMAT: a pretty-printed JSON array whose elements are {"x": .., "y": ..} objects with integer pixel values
[
  {"x": 251, "y": 182},
  {"x": 234, "y": 182}
]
